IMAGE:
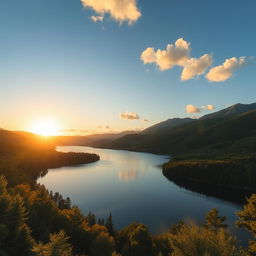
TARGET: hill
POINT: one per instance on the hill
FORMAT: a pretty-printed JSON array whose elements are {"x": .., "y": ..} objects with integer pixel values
[
  {"x": 220, "y": 134},
  {"x": 25, "y": 156}
]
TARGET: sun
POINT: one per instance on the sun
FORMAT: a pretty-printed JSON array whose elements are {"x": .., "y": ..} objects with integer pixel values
[{"x": 45, "y": 127}]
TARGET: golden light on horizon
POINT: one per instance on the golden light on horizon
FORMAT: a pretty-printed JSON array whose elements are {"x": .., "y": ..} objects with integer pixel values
[{"x": 45, "y": 127}]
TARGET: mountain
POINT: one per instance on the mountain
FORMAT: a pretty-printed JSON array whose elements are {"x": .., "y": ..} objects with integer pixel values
[
  {"x": 220, "y": 134},
  {"x": 231, "y": 111},
  {"x": 165, "y": 126},
  {"x": 88, "y": 140}
]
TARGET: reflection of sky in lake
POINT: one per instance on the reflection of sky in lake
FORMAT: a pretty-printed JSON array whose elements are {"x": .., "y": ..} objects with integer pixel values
[{"x": 132, "y": 187}]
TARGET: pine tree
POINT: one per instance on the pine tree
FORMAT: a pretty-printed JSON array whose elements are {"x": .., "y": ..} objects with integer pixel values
[
  {"x": 91, "y": 219},
  {"x": 214, "y": 221},
  {"x": 57, "y": 246},
  {"x": 247, "y": 219},
  {"x": 109, "y": 225}
]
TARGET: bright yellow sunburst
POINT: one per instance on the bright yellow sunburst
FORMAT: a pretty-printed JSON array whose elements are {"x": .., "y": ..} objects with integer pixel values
[{"x": 45, "y": 127}]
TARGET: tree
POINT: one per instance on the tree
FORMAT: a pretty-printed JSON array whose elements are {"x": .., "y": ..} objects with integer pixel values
[
  {"x": 109, "y": 225},
  {"x": 192, "y": 240},
  {"x": 247, "y": 219},
  {"x": 91, "y": 219},
  {"x": 57, "y": 246},
  {"x": 103, "y": 245},
  {"x": 214, "y": 221},
  {"x": 134, "y": 240}
]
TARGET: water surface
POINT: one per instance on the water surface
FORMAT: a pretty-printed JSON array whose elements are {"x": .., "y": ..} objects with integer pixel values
[{"x": 132, "y": 187}]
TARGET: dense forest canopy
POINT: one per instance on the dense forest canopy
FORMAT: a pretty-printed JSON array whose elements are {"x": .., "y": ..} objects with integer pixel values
[{"x": 35, "y": 221}]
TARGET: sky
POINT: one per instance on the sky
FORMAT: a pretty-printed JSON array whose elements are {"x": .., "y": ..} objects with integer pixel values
[{"x": 97, "y": 66}]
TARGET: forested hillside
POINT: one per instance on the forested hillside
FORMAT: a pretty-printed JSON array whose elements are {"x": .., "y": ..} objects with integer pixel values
[{"x": 214, "y": 136}]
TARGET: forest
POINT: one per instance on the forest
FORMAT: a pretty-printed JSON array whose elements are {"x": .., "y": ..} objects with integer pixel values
[
  {"x": 236, "y": 172},
  {"x": 35, "y": 221}
]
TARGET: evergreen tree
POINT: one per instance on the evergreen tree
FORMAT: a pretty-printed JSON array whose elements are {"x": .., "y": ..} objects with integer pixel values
[
  {"x": 103, "y": 245},
  {"x": 91, "y": 219},
  {"x": 57, "y": 246},
  {"x": 109, "y": 225},
  {"x": 134, "y": 240},
  {"x": 214, "y": 221},
  {"x": 247, "y": 219},
  {"x": 192, "y": 240}
]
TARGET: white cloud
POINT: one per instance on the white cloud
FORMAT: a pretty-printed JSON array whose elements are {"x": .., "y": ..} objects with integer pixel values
[
  {"x": 178, "y": 54},
  {"x": 192, "y": 109},
  {"x": 119, "y": 10},
  {"x": 175, "y": 54},
  {"x": 129, "y": 116},
  {"x": 194, "y": 67},
  {"x": 97, "y": 18},
  {"x": 225, "y": 71}
]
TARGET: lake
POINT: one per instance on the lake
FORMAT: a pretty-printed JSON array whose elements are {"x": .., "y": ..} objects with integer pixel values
[{"x": 131, "y": 186}]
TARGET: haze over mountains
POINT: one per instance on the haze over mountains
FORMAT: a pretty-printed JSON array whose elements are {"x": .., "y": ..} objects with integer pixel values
[{"x": 232, "y": 129}]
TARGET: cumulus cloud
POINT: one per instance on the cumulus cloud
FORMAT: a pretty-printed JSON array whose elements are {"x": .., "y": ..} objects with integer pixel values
[
  {"x": 194, "y": 67},
  {"x": 97, "y": 18},
  {"x": 178, "y": 54},
  {"x": 225, "y": 71},
  {"x": 119, "y": 10},
  {"x": 129, "y": 116},
  {"x": 192, "y": 109},
  {"x": 210, "y": 107},
  {"x": 174, "y": 54}
]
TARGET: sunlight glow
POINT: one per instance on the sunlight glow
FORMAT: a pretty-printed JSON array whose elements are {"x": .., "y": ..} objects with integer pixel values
[{"x": 45, "y": 127}]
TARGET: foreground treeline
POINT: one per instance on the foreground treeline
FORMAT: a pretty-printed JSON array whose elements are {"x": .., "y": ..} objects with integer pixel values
[{"x": 36, "y": 222}]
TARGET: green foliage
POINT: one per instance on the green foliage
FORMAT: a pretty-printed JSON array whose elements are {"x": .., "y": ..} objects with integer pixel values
[
  {"x": 233, "y": 172},
  {"x": 36, "y": 222},
  {"x": 214, "y": 136},
  {"x": 15, "y": 235}
]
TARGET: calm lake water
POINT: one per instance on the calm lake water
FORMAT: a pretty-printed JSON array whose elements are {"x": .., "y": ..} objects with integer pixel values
[{"x": 132, "y": 187}]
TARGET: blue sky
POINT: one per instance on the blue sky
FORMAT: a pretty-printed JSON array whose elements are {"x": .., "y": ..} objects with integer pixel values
[{"x": 56, "y": 62}]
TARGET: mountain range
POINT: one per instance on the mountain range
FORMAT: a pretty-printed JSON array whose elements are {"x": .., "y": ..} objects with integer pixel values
[{"x": 231, "y": 130}]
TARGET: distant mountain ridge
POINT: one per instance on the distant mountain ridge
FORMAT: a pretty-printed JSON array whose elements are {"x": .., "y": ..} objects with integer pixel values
[
  {"x": 231, "y": 111},
  {"x": 166, "y": 125},
  {"x": 88, "y": 140},
  {"x": 229, "y": 130}
]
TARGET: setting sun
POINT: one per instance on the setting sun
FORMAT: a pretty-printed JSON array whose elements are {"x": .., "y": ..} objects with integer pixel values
[{"x": 45, "y": 127}]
